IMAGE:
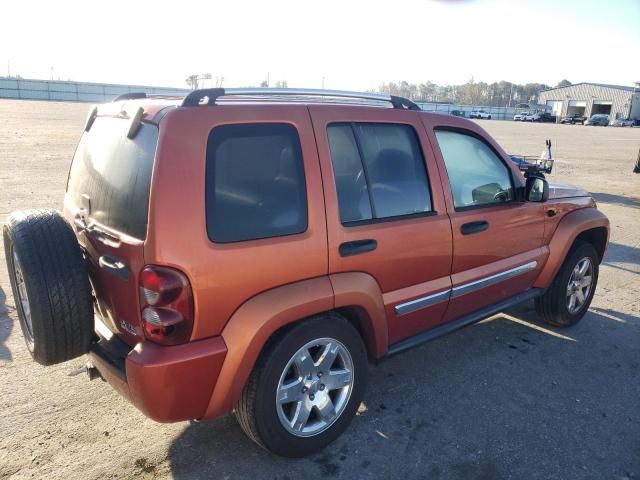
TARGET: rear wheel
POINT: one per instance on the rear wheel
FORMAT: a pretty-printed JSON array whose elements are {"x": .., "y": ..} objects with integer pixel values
[
  {"x": 569, "y": 296},
  {"x": 50, "y": 285},
  {"x": 306, "y": 387}
]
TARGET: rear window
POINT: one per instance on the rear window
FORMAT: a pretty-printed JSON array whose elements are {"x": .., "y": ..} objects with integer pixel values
[
  {"x": 115, "y": 172},
  {"x": 255, "y": 185}
]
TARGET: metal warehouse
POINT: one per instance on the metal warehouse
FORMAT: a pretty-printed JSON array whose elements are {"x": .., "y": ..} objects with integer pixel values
[{"x": 586, "y": 99}]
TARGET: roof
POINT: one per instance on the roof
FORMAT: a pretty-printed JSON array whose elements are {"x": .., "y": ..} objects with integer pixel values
[{"x": 604, "y": 85}]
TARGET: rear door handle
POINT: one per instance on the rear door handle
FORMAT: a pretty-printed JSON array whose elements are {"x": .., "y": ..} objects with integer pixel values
[
  {"x": 348, "y": 249},
  {"x": 474, "y": 227},
  {"x": 114, "y": 266}
]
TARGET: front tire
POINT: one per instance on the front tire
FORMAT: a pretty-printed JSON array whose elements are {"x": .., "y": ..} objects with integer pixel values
[
  {"x": 569, "y": 296},
  {"x": 306, "y": 387}
]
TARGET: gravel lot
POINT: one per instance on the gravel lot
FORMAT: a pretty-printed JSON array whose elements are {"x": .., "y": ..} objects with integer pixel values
[{"x": 506, "y": 398}]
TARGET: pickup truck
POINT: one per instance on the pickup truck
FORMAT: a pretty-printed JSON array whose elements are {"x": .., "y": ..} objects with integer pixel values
[
  {"x": 573, "y": 119},
  {"x": 482, "y": 114}
]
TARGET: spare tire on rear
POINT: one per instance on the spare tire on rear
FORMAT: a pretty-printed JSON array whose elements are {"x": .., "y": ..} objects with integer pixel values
[{"x": 50, "y": 285}]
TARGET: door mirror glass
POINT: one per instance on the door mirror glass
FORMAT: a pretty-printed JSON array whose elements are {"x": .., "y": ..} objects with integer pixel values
[{"x": 537, "y": 189}]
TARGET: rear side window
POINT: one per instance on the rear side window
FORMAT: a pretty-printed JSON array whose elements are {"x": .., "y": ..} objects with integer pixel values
[
  {"x": 115, "y": 172},
  {"x": 255, "y": 185},
  {"x": 379, "y": 171}
]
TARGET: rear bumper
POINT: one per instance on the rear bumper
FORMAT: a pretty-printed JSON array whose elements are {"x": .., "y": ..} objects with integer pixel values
[{"x": 168, "y": 384}]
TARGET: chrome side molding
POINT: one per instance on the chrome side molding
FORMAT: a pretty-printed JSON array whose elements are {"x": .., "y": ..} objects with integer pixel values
[
  {"x": 427, "y": 301},
  {"x": 490, "y": 280},
  {"x": 422, "y": 302}
]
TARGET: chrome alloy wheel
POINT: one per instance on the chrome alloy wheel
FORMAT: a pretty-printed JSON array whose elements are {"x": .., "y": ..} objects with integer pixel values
[
  {"x": 314, "y": 387},
  {"x": 579, "y": 286},
  {"x": 23, "y": 300}
]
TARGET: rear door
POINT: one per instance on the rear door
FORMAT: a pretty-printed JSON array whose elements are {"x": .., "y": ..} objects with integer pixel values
[
  {"x": 497, "y": 240},
  {"x": 107, "y": 200},
  {"x": 385, "y": 210}
]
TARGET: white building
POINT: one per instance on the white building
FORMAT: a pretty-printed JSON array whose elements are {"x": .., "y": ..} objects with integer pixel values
[{"x": 588, "y": 99}]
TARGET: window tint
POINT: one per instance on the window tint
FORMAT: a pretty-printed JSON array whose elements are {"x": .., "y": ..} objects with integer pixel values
[
  {"x": 115, "y": 172},
  {"x": 255, "y": 185},
  {"x": 476, "y": 174},
  {"x": 379, "y": 170},
  {"x": 351, "y": 184}
]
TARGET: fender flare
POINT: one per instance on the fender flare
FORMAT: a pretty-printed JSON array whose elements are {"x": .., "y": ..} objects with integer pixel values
[
  {"x": 572, "y": 225},
  {"x": 255, "y": 321}
]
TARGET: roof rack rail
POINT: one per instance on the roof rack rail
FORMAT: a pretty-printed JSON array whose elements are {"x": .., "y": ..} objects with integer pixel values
[
  {"x": 208, "y": 96},
  {"x": 130, "y": 96}
]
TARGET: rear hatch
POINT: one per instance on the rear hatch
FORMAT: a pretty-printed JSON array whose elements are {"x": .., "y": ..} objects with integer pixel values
[{"x": 107, "y": 199}]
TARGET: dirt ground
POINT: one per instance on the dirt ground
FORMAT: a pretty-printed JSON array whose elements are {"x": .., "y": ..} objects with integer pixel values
[{"x": 506, "y": 398}]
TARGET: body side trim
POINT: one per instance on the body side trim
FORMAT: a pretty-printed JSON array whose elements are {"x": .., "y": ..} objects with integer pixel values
[
  {"x": 490, "y": 280},
  {"x": 428, "y": 300},
  {"x": 422, "y": 302},
  {"x": 462, "y": 321}
]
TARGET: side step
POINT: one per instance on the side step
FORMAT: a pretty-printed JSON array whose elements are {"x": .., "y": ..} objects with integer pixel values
[{"x": 469, "y": 319}]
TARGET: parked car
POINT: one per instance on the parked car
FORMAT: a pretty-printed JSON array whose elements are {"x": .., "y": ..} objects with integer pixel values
[
  {"x": 520, "y": 117},
  {"x": 598, "y": 120},
  {"x": 573, "y": 119},
  {"x": 546, "y": 117},
  {"x": 619, "y": 122},
  {"x": 458, "y": 113},
  {"x": 480, "y": 114},
  {"x": 254, "y": 257}
]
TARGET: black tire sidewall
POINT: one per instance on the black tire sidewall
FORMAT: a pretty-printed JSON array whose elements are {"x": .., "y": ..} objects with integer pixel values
[
  {"x": 57, "y": 285},
  {"x": 581, "y": 250},
  {"x": 9, "y": 249},
  {"x": 274, "y": 436}
]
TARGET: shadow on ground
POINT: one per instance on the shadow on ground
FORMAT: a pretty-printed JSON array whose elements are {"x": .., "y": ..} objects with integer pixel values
[
  {"x": 499, "y": 399},
  {"x": 618, "y": 253},
  {"x": 6, "y": 325},
  {"x": 616, "y": 199}
]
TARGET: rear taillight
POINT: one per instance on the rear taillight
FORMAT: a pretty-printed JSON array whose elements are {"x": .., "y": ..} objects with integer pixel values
[{"x": 167, "y": 305}]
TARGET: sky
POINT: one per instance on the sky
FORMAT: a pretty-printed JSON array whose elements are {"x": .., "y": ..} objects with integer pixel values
[{"x": 344, "y": 44}]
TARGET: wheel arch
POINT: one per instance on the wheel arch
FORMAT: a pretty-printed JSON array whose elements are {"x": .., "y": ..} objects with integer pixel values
[
  {"x": 587, "y": 224},
  {"x": 263, "y": 317}
]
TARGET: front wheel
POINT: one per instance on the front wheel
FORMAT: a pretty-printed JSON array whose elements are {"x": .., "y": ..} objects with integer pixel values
[
  {"x": 569, "y": 296},
  {"x": 306, "y": 387}
]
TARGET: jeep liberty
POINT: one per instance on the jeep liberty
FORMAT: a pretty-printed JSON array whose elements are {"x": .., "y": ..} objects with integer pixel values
[{"x": 252, "y": 250}]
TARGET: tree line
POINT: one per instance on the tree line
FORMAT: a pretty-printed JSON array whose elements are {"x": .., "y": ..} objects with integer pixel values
[{"x": 497, "y": 94}]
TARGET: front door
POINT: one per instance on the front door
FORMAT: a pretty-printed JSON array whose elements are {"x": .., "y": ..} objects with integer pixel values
[
  {"x": 385, "y": 210},
  {"x": 497, "y": 240}
]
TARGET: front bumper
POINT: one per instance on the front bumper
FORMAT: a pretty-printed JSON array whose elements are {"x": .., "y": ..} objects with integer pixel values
[{"x": 168, "y": 384}]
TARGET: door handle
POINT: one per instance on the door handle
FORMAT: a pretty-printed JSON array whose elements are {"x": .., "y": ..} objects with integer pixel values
[
  {"x": 474, "y": 227},
  {"x": 114, "y": 266},
  {"x": 356, "y": 247}
]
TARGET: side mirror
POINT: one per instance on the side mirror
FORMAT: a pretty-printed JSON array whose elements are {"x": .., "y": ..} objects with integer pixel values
[{"x": 536, "y": 189}]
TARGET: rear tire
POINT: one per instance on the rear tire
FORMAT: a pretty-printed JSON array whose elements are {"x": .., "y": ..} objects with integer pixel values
[
  {"x": 556, "y": 307},
  {"x": 291, "y": 412},
  {"x": 50, "y": 285}
]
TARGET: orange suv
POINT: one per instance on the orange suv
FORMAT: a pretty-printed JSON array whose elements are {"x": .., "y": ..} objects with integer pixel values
[{"x": 251, "y": 250}]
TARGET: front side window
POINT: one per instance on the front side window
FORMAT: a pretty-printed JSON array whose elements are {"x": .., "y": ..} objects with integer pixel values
[
  {"x": 379, "y": 171},
  {"x": 476, "y": 174},
  {"x": 255, "y": 185}
]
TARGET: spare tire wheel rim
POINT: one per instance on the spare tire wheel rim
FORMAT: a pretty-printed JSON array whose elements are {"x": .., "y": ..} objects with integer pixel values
[
  {"x": 315, "y": 387},
  {"x": 579, "y": 286},
  {"x": 23, "y": 299}
]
